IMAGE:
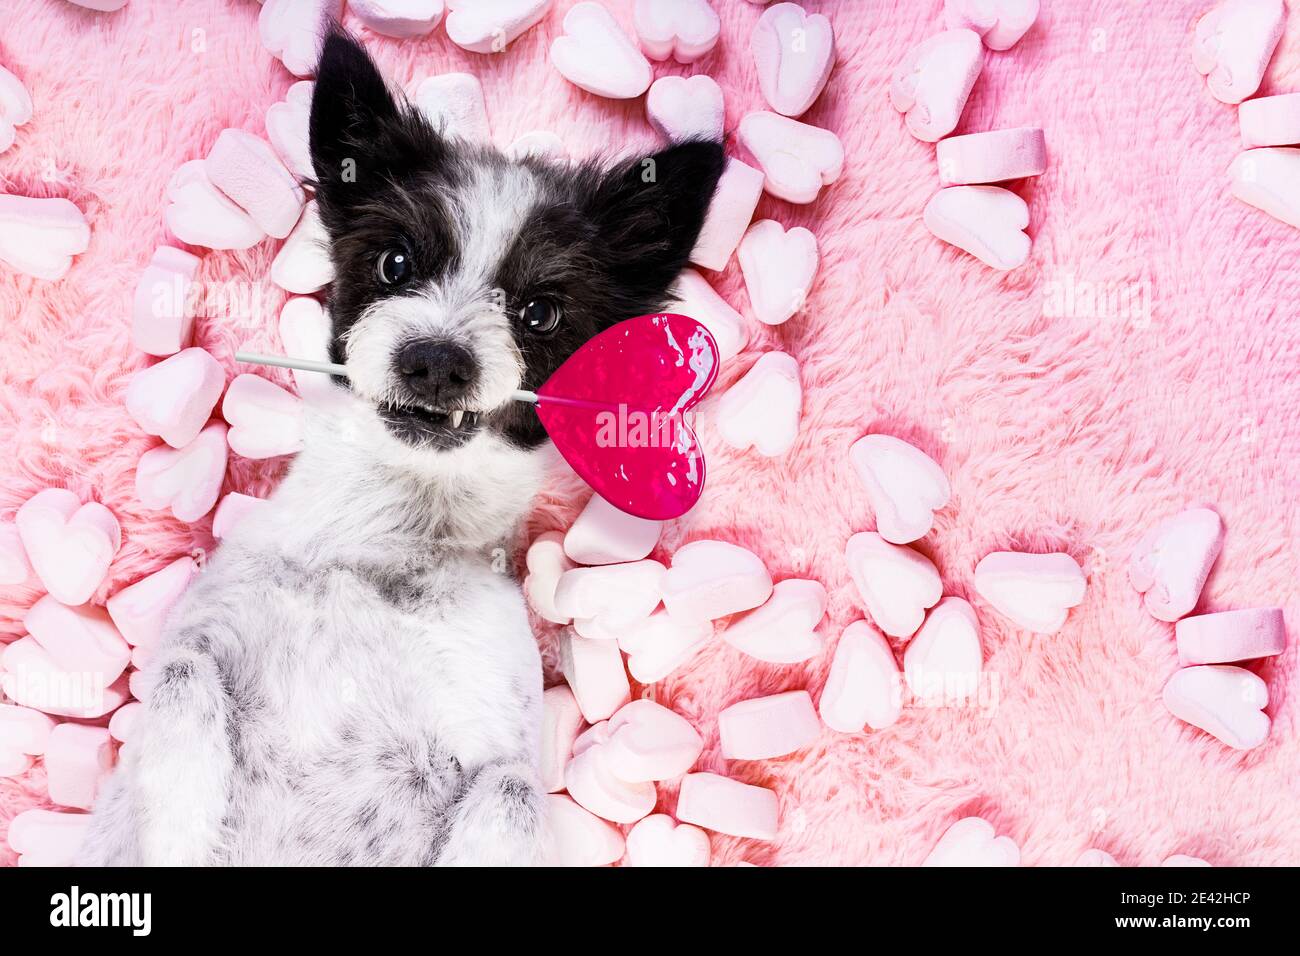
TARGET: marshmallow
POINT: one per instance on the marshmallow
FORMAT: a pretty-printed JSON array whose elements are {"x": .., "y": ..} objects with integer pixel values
[
  {"x": 40, "y": 236},
  {"x": 579, "y": 838},
  {"x": 140, "y": 610},
  {"x": 686, "y": 107},
  {"x": 233, "y": 509},
  {"x": 1000, "y": 22},
  {"x": 540, "y": 143},
  {"x": 693, "y": 296},
  {"x": 991, "y": 157},
  {"x": 904, "y": 484},
  {"x": 711, "y": 579},
  {"x": 794, "y": 53},
  {"x": 174, "y": 399},
  {"x": 1034, "y": 591},
  {"x": 403, "y": 19},
  {"x": 779, "y": 268},
  {"x": 602, "y": 534},
  {"x": 15, "y": 107},
  {"x": 246, "y": 169},
  {"x": 30, "y": 677},
  {"x": 784, "y": 629},
  {"x": 594, "y": 670},
  {"x": 291, "y": 31},
  {"x": 454, "y": 104},
  {"x": 1226, "y": 702},
  {"x": 797, "y": 159},
  {"x": 70, "y": 545},
  {"x": 762, "y": 410},
  {"x": 162, "y": 321},
  {"x": 1233, "y": 44},
  {"x": 766, "y": 727},
  {"x": 546, "y": 562},
  {"x": 561, "y": 724},
  {"x": 1171, "y": 562},
  {"x": 1270, "y": 120},
  {"x": 1180, "y": 859},
  {"x": 660, "y": 644},
  {"x": 1269, "y": 179},
  {"x": 305, "y": 332},
  {"x": 81, "y": 639},
  {"x": 1231, "y": 636},
  {"x": 727, "y": 806},
  {"x": 1095, "y": 857},
  {"x": 200, "y": 214},
  {"x": 14, "y": 566},
  {"x": 24, "y": 733},
  {"x": 616, "y": 594},
  {"x": 265, "y": 420},
  {"x": 303, "y": 263},
  {"x": 594, "y": 54},
  {"x": 931, "y": 84},
  {"x": 102, "y": 6},
  {"x": 645, "y": 741},
  {"x": 591, "y": 783},
  {"x": 863, "y": 688},
  {"x": 78, "y": 758},
  {"x": 986, "y": 221},
  {"x": 971, "y": 842},
  {"x": 123, "y": 720},
  {"x": 682, "y": 29},
  {"x": 942, "y": 662},
  {"x": 489, "y": 26},
  {"x": 288, "y": 129},
  {"x": 896, "y": 583},
  {"x": 47, "y": 837},
  {"x": 657, "y": 840},
  {"x": 730, "y": 211},
  {"x": 186, "y": 480}
]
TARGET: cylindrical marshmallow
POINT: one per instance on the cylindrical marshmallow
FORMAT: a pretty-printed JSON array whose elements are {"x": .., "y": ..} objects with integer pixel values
[
  {"x": 768, "y": 726},
  {"x": 1230, "y": 636},
  {"x": 727, "y": 806},
  {"x": 1270, "y": 120},
  {"x": 992, "y": 157}
]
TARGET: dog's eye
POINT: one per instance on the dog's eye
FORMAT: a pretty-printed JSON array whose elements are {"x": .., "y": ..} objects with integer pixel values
[
  {"x": 540, "y": 316},
  {"x": 394, "y": 266}
]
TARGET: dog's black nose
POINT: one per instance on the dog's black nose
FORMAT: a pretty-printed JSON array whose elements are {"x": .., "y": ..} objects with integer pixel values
[{"x": 438, "y": 372}]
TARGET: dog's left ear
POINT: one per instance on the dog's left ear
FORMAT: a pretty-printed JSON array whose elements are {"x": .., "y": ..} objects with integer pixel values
[{"x": 648, "y": 213}]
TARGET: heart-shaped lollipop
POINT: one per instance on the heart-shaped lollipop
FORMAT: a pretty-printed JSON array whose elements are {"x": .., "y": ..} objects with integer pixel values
[{"x": 617, "y": 410}]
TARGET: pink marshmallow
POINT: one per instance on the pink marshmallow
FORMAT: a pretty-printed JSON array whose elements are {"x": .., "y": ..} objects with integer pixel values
[
  {"x": 904, "y": 484},
  {"x": 246, "y": 169},
  {"x": 1231, "y": 636},
  {"x": 403, "y": 19},
  {"x": 931, "y": 84},
  {"x": 616, "y": 595},
  {"x": 14, "y": 566},
  {"x": 942, "y": 662},
  {"x": 896, "y": 583},
  {"x": 660, "y": 644},
  {"x": 174, "y": 399},
  {"x": 233, "y": 509},
  {"x": 763, "y": 409},
  {"x": 1034, "y": 591},
  {"x": 594, "y": 670},
  {"x": 686, "y": 107},
  {"x": 32, "y": 678},
  {"x": 863, "y": 688},
  {"x": 305, "y": 332},
  {"x": 645, "y": 741},
  {"x": 303, "y": 263},
  {"x": 47, "y": 837},
  {"x": 24, "y": 730},
  {"x": 265, "y": 420},
  {"x": 77, "y": 760},
  {"x": 730, "y": 212},
  {"x": 162, "y": 320},
  {"x": 590, "y": 782},
  {"x": 989, "y": 222},
  {"x": 287, "y": 130},
  {"x": 682, "y": 29},
  {"x": 767, "y": 727},
  {"x": 1172, "y": 561},
  {"x": 779, "y": 267},
  {"x": 40, "y": 236},
  {"x": 291, "y": 31},
  {"x": 797, "y": 159},
  {"x": 490, "y": 26},
  {"x": 693, "y": 296},
  {"x": 580, "y": 838},
  {"x": 794, "y": 53},
  {"x": 1095, "y": 857},
  {"x": 727, "y": 806},
  {"x": 69, "y": 544},
  {"x": 1268, "y": 178},
  {"x": 783, "y": 630},
  {"x": 711, "y": 579},
  {"x": 123, "y": 720},
  {"x": 972, "y": 841},
  {"x": 81, "y": 639},
  {"x": 1000, "y": 22},
  {"x": 1226, "y": 702},
  {"x": 1270, "y": 120},
  {"x": 561, "y": 723},
  {"x": 140, "y": 609},
  {"x": 185, "y": 480},
  {"x": 991, "y": 157},
  {"x": 602, "y": 534},
  {"x": 546, "y": 562},
  {"x": 657, "y": 840},
  {"x": 200, "y": 214},
  {"x": 593, "y": 53},
  {"x": 1233, "y": 43}
]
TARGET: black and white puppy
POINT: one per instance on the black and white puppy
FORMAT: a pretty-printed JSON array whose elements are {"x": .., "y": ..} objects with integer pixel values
[{"x": 351, "y": 680}]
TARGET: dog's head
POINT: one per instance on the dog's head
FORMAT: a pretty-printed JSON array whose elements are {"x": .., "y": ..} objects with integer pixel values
[{"x": 462, "y": 275}]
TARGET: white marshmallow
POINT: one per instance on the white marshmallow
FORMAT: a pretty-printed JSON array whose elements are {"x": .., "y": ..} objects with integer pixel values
[
  {"x": 590, "y": 782},
  {"x": 727, "y": 806},
  {"x": 305, "y": 333},
  {"x": 904, "y": 484},
  {"x": 291, "y": 31},
  {"x": 246, "y": 169},
  {"x": 1234, "y": 42},
  {"x": 1000, "y": 22},
  {"x": 797, "y": 159},
  {"x": 863, "y": 688},
  {"x": 594, "y": 53},
  {"x": 403, "y": 19},
  {"x": 730, "y": 212},
  {"x": 490, "y": 26},
  {"x": 265, "y": 420},
  {"x": 303, "y": 263},
  {"x": 1034, "y": 591},
  {"x": 1172, "y": 561},
  {"x": 987, "y": 221},
  {"x": 794, "y": 53},
  {"x": 693, "y": 296},
  {"x": 779, "y": 268},
  {"x": 287, "y": 129},
  {"x": 660, "y": 644},
  {"x": 1269, "y": 179},
  {"x": 711, "y": 579},
  {"x": 561, "y": 724},
  {"x": 1226, "y": 702},
  {"x": 594, "y": 670},
  {"x": 40, "y": 236},
  {"x": 616, "y": 594},
  {"x": 658, "y": 841},
  {"x": 943, "y": 661},
  {"x": 971, "y": 841},
  {"x": 767, "y": 727},
  {"x": 682, "y": 29},
  {"x": 546, "y": 562},
  {"x": 784, "y": 629},
  {"x": 933, "y": 81},
  {"x": 762, "y": 409},
  {"x": 645, "y": 741},
  {"x": 580, "y": 838},
  {"x": 602, "y": 534},
  {"x": 896, "y": 583},
  {"x": 686, "y": 107}
]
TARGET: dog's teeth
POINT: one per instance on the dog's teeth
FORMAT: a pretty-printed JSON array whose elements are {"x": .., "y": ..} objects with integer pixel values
[{"x": 456, "y": 416}]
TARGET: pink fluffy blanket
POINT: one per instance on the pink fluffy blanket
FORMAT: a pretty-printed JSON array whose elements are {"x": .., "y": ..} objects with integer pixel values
[{"x": 1064, "y": 420}]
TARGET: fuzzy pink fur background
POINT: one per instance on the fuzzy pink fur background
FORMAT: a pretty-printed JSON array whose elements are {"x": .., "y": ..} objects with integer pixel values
[{"x": 1059, "y": 432}]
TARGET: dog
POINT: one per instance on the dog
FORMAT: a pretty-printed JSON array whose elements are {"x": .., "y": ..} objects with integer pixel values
[{"x": 351, "y": 680}]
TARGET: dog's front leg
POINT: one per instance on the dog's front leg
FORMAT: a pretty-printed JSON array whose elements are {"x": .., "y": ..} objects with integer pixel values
[{"x": 500, "y": 820}]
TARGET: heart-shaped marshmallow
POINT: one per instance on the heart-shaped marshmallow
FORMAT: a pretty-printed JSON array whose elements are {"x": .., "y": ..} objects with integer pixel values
[
  {"x": 540, "y": 143},
  {"x": 682, "y": 29},
  {"x": 47, "y": 837},
  {"x": 546, "y": 562},
  {"x": 986, "y": 221},
  {"x": 942, "y": 662},
  {"x": 766, "y": 727},
  {"x": 1270, "y": 120},
  {"x": 761, "y": 411},
  {"x": 727, "y": 806},
  {"x": 784, "y": 629},
  {"x": 398, "y": 18},
  {"x": 1231, "y": 636},
  {"x": 972, "y": 841},
  {"x": 779, "y": 268},
  {"x": 186, "y": 480},
  {"x": 1095, "y": 857},
  {"x": 200, "y": 214},
  {"x": 40, "y": 236},
  {"x": 934, "y": 80},
  {"x": 596, "y": 55},
  {"x": 614, "y": 594},
  {"x": 645, "y": 741},
  {"x": 287, "y": 129},
  {"x": 994, "y": 156},
  {"x": 797, "y": 159},
  {"x": 590, "y": 781},
  {"x": 896, "y": 583},
  {"x": 305, "y": 333},
  {"x": 602, "y": 534},
  {"x": 140, "y": 610},
  {"x": 693, "y": 296},
  {"x": 686, "y": 107},
  {"x": 14, "y": 566},
  {"x": 81, "y": 639},
  {"x": 454, "y": 104},
  {"x": 246, "y": 169},
  {"x": 123, "y": 720},
  {"x": 1226, "y": 702},
  {"x": 1233, "y": 44},
  {"x": 1034, "y": 591},
  {"x": 580, "y": 838},
  {"x": 730, "y": 212},
  {"x": 30, "y": 677},
  {"x": 233, "y": 509},
  {"x": 489, "y": 26},
  {"x": 561, "y": 723},
  {"x": 162, "y": 318},
  {"x": 1181, "y": 859},
  {"x": 174, "y": 399},
  {"x": 1269, "y": 179},
  {"x": 794, "y": 53},
  {"x": 863, "y": 688},
  {"x": 1000, "y": 22},
  {"x": 658, "y": 840},
  {"x": 711, "y": 579},
  {"x": 15, "y": 107},
  {"x": 265, "y": 420},
  {"x": 660, "y": 644},
  {"x": 904, "y": 484},
  {"x": 291, "y": 31},
  {"x": 1172, "y": 561},
  {"x": 70, "y": 545},
  {"x": 594, "y": 671},
  {"x": 24, "y": 733},
  {"x": 303, "y": 263},
  {"x": 78, "y": 759}
]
